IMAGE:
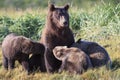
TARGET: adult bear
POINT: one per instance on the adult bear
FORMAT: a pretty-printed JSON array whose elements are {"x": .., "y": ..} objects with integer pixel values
[
  {"x": 98, "y": 55},
  {"x": 56, "y": 33},
  {"x": 16, "y": 47}
]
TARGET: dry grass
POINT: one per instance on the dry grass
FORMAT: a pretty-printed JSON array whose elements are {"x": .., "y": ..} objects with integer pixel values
[
  {"x": 18, "y": 13},
  {"x": 113, "y": 47}
]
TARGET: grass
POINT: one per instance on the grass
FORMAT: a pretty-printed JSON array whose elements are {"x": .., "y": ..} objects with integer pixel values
[
  {"x": 102, "y": 25},
  {"x": 113, "y": 48},
  {"x": 18, "y": 13}
]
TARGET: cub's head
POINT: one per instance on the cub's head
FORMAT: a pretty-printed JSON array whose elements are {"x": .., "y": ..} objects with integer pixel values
[
  {"x": 59, "y": 15},
  {"x": 28, "y": 46},
  {"x": 37, "y": 48},
  {"x": 60, "y": 52}
]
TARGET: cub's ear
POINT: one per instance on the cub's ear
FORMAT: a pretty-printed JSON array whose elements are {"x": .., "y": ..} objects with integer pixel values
[
  {"x": 66, "y": 7},
  {"x": 51, "y": 7}
]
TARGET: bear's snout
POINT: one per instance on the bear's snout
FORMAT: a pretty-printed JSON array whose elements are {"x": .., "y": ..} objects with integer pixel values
[{"x": 63, "y": 21}]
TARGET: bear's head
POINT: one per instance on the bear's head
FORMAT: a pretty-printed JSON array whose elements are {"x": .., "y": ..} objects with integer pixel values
[
  {"x": 31, "y": 47},
  {"x": 37, "y": 48},
  {"x": 60, "y": 52},
  {"x": 59, "y": 15}
]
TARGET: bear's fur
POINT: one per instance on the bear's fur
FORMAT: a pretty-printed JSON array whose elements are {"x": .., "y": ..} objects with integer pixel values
[
  {"x": 98, "y": 55},
  {"x": 37, "y": 62},
  {"x": 56, "y": 33},
  {"x": 16, "y": 47},
  {"x": 73, "y": 59}
]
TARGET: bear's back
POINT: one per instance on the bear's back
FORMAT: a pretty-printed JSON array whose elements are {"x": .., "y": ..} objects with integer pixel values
[{"x": 8, "y": 39}]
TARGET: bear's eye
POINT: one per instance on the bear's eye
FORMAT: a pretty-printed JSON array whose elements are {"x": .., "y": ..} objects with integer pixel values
[
  {"x": 60, "y": 12},
  {"x": 56, "y": 15}
]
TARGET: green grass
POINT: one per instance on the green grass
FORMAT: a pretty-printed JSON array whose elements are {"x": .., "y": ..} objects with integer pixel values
[{"x": 100, "y": 24}]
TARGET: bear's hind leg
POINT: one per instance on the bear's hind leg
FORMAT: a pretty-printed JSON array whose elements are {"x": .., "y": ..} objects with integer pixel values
[
  {"x": 63, "y": 65},
  {"x": 11, "y": 63},
  {"x": 5, "y": 62}
]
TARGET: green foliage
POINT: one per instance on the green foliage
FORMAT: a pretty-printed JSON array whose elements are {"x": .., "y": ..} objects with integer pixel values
[
  {"x": 5, "y": 23},
  {"x": 23, "y": 4},
  {"x": 103, "y": 22},
  {"x": 28, "y": 25}
]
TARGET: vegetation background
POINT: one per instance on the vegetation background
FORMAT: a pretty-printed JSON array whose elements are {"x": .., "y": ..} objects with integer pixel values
[{"x": 92, "y": 20}]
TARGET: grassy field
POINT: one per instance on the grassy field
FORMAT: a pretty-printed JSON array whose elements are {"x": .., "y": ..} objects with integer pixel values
[
  {"x": 100, "y": 24},
  {"x": 96, "y": 74}
]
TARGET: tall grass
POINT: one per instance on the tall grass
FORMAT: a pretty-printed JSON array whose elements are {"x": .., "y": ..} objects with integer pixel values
[
  {"x": 102, "y": 22},
  {"x": 28, "y": 25}
]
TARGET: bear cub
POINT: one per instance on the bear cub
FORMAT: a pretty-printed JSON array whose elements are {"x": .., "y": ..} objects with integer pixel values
[
  {"x": 16, "y": 47},
  {"x": 73, "y": 59},
  {"x": 98, "y": 55}
]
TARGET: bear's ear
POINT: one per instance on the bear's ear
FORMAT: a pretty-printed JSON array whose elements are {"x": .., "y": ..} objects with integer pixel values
[
  {"x": 66, "y": 7},
  {"x": 51, "y": 7}
]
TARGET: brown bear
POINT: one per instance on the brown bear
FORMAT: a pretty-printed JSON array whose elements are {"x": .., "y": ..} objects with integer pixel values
[
  {"x": 74, "y": 60},
  {"x": 56, "y": 33},
  {"x": 16, "y": 47},
  {"x": 98, "y": 55}
]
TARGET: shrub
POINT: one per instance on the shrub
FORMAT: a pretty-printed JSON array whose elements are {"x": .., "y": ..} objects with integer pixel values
[{"x": 27, "y": 25}]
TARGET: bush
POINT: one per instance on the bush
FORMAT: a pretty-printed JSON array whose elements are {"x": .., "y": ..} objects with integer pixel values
[{"x": 27, "y": 25}]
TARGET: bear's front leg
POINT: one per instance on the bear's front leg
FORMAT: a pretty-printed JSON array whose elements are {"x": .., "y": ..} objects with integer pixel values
[
  {"x": 25, "y": 65},
  {"x": 11, "y": 63},
  {"x": 47, "y": 62},
  {"x": 5, "y": 62},
  {"x": 24, "y": 61},
  {"x": 63, "y": 65},
  {"x": 52, "y": 64}
]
